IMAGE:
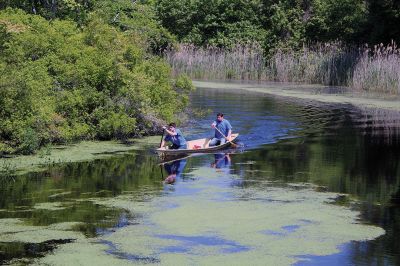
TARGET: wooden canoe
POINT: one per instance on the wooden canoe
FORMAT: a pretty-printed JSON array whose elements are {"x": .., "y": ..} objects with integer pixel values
[{"x": 196, "y": 146}]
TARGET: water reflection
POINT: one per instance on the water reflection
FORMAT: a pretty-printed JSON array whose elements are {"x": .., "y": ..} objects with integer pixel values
[
  {"x": 221, "y": 161},
  {"x": 174, "y": 170}
]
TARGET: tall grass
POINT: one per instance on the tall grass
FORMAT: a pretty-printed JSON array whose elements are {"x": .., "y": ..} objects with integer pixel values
[
  {"x": 378, "y": 70},
  {"x": 328, "y": 64},
  {"x": 362, "y": 69},
  {"x": 243, "y": 62}
]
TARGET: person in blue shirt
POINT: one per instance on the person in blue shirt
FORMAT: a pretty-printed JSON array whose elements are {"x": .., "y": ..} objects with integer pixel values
[
  {"x": 223, "y": 131},
  {"x": 175, "y": 136}
]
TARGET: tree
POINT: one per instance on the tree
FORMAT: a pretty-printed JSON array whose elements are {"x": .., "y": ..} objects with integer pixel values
[{"x": 63, "y": 82}]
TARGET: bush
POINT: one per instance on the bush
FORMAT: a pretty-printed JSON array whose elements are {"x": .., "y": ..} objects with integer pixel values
[
  {"x": 117, "y": 125},
  {"x": 29, "y": 142},
  {"x": 61, "y": 82}
]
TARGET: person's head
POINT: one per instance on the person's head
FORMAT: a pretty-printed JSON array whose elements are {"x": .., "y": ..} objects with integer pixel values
[
  {"x": 220, "y": 117},
  {"x": 172, "y": 126}
]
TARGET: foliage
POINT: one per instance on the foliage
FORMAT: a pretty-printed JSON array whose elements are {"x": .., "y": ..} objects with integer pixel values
[
  {"x": 65, "y": 9},
  {"x": 126, "y": 15},
  {"x": 280, "y": 24},
  {"x": 61, "y": 82},
  {"x": 218, "y": 23},
  {"x": 344, "y": 20}
]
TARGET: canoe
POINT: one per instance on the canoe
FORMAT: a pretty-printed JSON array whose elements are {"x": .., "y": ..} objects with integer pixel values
[{"x": 196, "y": 146}]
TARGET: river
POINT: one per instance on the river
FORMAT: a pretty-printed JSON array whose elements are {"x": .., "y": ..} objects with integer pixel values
[{"x": 311, "y": 184}]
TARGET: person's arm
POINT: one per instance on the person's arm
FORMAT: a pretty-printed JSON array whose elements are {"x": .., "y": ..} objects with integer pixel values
[
  {"x": 229, "y": 131},
  {"x": 170, "y": 132},
  {"x": 162, "y": 143},
  {"x": 229, "y": 136}
]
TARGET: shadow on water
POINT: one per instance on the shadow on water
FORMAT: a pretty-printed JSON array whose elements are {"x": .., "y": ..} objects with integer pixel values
[{"x": 19, "y": 250}]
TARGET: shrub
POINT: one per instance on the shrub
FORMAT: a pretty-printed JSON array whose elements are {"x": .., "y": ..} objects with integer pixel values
[
  {"x": 29, "y": 142},
  {"x": 61, "y": 82}
]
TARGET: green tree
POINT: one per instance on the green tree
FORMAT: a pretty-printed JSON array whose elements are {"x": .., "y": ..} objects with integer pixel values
[
  {"x": 383, "y": 21},
  {"x": 63, "y": 82},
  {"x": 337, "y": 20},
  {"x": 218, "y": 23}
]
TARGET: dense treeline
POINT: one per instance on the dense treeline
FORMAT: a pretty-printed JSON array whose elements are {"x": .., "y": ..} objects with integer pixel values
[
  {"x": 82, "y": 69},
  {"x": 224, "y": 23},
  {"x": 281, "y": 23}
]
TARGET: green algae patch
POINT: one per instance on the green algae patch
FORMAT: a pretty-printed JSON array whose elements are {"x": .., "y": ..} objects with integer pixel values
[
  {"x": 83, "y": 151},
  {"x": 306, "y": 92},
  {"x": 207, "y": 221},
  {"x": 52, "y": 206},
  {"x": 15, "y": 230},
  {"x": 81, "y": 252},
  {"x": 60, "y": 195}
]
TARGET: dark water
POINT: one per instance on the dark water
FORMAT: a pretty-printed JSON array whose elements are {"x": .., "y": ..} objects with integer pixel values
[{"x": 338, "y": 148}]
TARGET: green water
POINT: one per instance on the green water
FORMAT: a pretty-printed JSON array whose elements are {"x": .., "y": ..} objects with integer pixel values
[{"x": 313, "y": 184}]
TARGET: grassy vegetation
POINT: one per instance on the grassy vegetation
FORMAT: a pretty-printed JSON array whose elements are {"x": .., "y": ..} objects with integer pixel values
[{"x": 362, "y": 69}]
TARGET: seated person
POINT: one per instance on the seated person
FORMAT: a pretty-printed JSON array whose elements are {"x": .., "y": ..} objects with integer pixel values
[
  {"x": 223, "y": 131},
  {"x": 175, "y": 136}
]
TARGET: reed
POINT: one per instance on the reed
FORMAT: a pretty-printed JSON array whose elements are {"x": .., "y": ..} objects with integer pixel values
[
  {"x": 378, "y": 70},
  {"x": 242, "y": 62},
  {"x": 361, "y": 69}
]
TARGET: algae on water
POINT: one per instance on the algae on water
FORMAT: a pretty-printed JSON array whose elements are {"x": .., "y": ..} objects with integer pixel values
[
  {"x": 220, "y": 223},
  {"x": 82, "y": 151}
]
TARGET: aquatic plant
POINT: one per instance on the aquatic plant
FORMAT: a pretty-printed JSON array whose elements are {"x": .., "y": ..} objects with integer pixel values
[
  {"x": 378, "y": 70},
  {"x": 7, "y": 171},
  {"x": 245, "y": 62},
  {"x": 362, "y": 69}
]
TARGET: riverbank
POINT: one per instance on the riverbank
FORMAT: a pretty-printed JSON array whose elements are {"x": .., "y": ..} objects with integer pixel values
[
  {"x": 90, "y": 150},
  {"x": 318, "y": 93},
  {"x": 78, "y": 152}
]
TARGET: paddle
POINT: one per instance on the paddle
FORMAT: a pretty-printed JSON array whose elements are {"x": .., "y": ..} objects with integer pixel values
[
  {"x": 162, "y": 136},
  {"x": 233, "y": 144}
]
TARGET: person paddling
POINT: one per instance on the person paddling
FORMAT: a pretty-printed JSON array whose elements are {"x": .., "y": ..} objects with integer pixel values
[
  {"x": 175, "y": 136},
  {"x": 223, "y": 131}
]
